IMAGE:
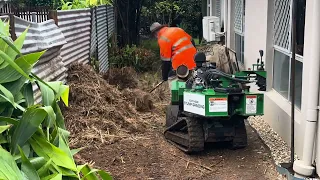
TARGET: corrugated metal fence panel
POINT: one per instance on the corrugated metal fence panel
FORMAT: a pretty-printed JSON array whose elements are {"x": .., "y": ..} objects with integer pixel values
[
  {"x": 50, "y": 68},
  {"x": 111, "y": 20},
  {"x": 43, "y": 36},
  {"x": 76, "y": 27},
  {"x": 93, "y": 34},
  {"x": 102, "y": 37},
  {"x": 40, "y": 36}
]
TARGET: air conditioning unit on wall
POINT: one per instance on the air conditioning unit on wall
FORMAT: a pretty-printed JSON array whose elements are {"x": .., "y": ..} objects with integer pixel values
[{"x": 211, "y": 28}]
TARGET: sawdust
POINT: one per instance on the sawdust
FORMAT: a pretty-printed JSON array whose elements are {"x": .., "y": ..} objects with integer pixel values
[{"x": 99, "y": 112}]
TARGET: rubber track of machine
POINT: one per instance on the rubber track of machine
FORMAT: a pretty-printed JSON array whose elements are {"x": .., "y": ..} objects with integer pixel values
[
  {"x": 240, "y": 139},
  {"x": 196, "y": 135},
  {"x": 171, "y": 115}
]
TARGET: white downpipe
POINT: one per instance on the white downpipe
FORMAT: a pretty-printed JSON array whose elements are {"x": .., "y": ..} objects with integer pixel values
[
  {"x": 304, "y": 168},
  {"x": 226, "y": 21}
]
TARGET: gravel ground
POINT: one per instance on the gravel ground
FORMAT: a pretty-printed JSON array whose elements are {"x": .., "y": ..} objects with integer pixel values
[{"x": 279, "y": 149}]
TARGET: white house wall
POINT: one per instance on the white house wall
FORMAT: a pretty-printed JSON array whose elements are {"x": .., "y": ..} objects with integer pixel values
[
  {"x": 259, "y": 35},
  {"x": 256, "y": 16}
]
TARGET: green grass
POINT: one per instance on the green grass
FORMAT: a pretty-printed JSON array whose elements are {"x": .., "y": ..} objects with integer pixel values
[{"x": 196, "y": 40}]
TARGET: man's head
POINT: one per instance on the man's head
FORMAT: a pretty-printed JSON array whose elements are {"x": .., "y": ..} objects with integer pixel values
[{"x": 155, "y": 28}]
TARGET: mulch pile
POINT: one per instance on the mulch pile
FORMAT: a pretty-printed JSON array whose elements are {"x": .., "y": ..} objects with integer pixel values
[
  {"x": 122, "y": 77},
  {"x": 101, "y": 113}
]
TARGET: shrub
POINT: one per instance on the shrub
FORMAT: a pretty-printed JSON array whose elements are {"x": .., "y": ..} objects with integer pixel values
[
  {"x": 141, "y": 59},
  {"x": 33, "y": 138}
]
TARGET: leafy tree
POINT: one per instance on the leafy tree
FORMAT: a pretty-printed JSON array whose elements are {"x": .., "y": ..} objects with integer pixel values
[
  {"x": 186, "y": 14},
  {"x": 128, "y": 13}
]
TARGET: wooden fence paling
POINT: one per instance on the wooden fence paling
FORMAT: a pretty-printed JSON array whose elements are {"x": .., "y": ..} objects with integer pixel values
[
  {"x": 12, "y": 28},
  {"x": 53, "y": 15}
]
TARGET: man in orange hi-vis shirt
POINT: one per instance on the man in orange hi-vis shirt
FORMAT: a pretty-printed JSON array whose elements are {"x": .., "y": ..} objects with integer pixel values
[{"x": 177, "y": 51}]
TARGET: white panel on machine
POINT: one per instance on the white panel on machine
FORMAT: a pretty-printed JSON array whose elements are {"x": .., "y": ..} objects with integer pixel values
[
  {"x": 194, "y": 103},
  {"x": 211, "y": 28}
]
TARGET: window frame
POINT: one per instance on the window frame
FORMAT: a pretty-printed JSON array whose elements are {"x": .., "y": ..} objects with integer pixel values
[
  {"x": 240, "y": 32},
  {"x": 288, "y": 53},
  {"x": 241, "y": 35}
]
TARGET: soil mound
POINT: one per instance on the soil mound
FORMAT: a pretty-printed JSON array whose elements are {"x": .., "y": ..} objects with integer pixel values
[
  {"x": 99, "y": 111},
  {"x": 140, "y": 99},
  {"x": 122, "y": 77}
]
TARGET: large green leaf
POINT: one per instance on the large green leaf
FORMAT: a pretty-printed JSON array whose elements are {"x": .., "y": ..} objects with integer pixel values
[
  {"x": 62, "y": 91},
  {"x": 27, "y": 167},
  {"x": 10, "y": 43},
  {"x": 12, "y": 52},
  {"x": 50, "y": 121},
  {"x": 28, "y": 94},
  {"x": 56, "y": 176},
  {"x": 25, "y": 63},
  {"x": 87, "y": 173},
  {"x": 2, "y": 139},
  {"x": 4, "y": 28},
  {"x": 26, "y": 149},
  {"x": 65, "y": 172},
  {"x": 90, "y": 174},
  {"x": 48, "y": 151},
  {"x": 11, "y": 62},
  {"x": 52, "y": 91},
  {"x": 9, "y": 120},
  {"x": 64, "y": 94},
  {"x": 64, "y": 147},
  {"x": 7, "y": 95},
  {"x": 18, "y": 43},
  {"x": 43, "y": 171},
  {"x": 14, "y": 87},
  {"x": 38, "y": 162},
  {"x": 59, "y": 116},
  {"x": 8, "y": 167},
  {"x": 4, "y": 128},
  {"x": 56, "y": 133},
  {"x": 47, "y": 94},
  {"x": 28, "y": 125}
]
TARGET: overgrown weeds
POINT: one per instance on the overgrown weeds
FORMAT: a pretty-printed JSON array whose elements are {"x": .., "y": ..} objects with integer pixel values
[{"x": 141, "y": 59}]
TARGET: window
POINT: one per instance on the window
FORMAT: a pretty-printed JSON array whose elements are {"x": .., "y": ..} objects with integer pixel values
[
  {"x": 281, "y": 69},
  {"x": 239, "y": 29},
  {"x": 239, "y": 44},
  {"x": 282, "y": 46}
]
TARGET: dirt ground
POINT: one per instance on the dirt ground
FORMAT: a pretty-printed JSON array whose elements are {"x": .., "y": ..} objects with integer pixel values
[
  {"x": 150, "y": 156},
  {"x": 126, "y": 140}
]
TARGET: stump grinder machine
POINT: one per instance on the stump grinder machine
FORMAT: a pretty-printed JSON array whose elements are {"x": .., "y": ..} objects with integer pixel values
[{"x": 211, "y": 106}]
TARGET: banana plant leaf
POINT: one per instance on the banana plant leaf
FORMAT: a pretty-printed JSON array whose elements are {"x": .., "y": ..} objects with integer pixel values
[{"x": 8, "y": 167}]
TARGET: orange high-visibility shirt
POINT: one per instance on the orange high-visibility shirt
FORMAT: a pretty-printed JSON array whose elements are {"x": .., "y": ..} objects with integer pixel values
[{"x": 176, "y": 46}]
